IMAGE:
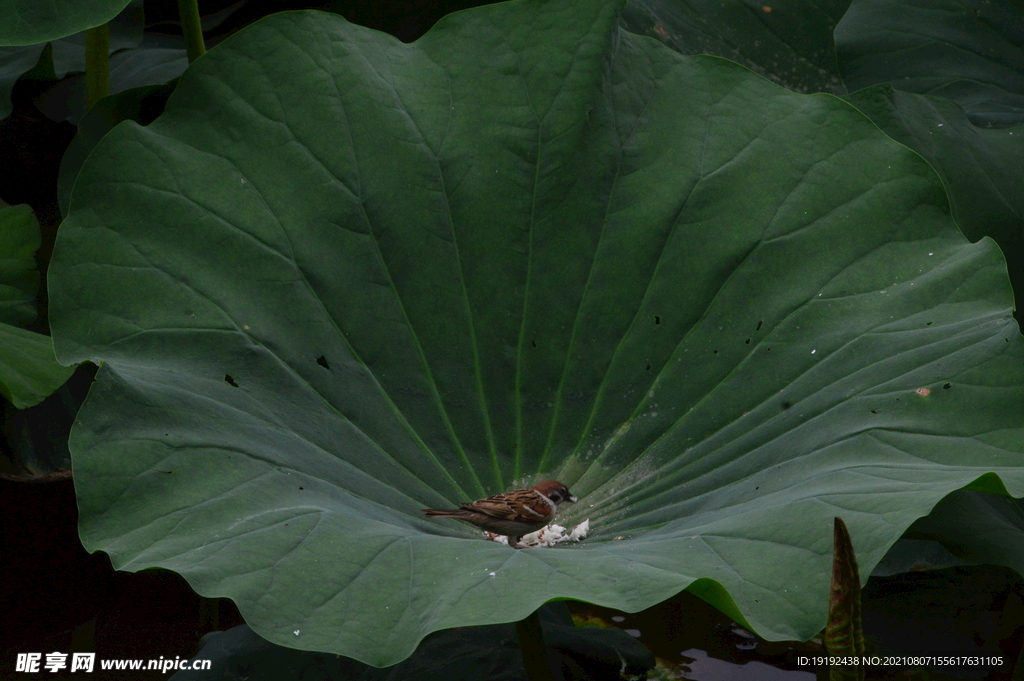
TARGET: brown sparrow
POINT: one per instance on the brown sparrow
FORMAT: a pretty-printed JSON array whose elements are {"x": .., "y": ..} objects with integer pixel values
[{"x": 514, "y": 513}]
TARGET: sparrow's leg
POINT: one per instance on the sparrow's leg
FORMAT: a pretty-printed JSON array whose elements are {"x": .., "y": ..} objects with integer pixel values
[{"x": 515, "y": 542}]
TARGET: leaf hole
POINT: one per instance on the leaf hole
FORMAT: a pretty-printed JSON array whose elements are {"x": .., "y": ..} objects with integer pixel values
[
  {"x": 648, "y": 367},
  {"x": 322, "y": 361},
  {"x": 533, "y": 343},
  {"x": 759, "y": 325},
  {"x": 230, "y": 381},
  {"x": 747, "y": 342},
  {"x": 947, "y": 386},
  {"x": 715, "y": 352},
  {"x": 786, "y": 405},
  {"x": 657, "y": 320},
  {"x": 874, "y": 411}
]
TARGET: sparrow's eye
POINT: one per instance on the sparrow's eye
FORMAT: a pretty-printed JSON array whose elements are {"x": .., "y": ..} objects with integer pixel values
[{"x": 556, "y": 497}]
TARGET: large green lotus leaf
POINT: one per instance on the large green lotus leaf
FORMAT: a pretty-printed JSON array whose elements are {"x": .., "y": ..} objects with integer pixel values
[
  {"x": 788, "y": 41},
  {"x": 24, "y": 22},
  {"x": 343, "y": 278},
  {"x": 970, "y": 51}
]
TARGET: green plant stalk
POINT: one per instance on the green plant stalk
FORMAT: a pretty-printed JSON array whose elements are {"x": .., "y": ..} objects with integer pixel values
[
  {"x": 191, "y": 29},
  {"x": 844, "y": 634},
  {"x": 97, "y": 64},
  {"x": 533, "y": 650}
]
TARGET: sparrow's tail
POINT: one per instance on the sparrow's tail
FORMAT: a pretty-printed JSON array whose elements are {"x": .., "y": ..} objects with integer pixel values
[{"x": 441, "y": 513}]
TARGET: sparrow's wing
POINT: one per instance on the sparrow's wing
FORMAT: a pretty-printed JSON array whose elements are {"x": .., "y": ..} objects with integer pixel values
[
  {"x": 508, "y": 506},
  {"x": 496, "y": 506}
]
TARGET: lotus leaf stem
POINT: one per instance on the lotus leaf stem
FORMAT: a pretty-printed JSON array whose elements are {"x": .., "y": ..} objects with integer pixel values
[
  {"x": 191, "y": 29},
  {"x": 97, "y": 64}
]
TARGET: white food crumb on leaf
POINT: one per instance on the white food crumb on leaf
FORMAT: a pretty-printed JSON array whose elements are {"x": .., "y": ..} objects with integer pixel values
[{"x": 547, "y": 536}]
